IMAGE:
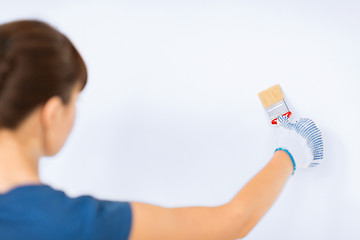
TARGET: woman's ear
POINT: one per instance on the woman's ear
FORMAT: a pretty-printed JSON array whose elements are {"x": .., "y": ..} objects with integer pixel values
[
  {"x": 57, "y": 121},
  {"x": 51, "y": 117},
  {"x": 51, "y": 112}
]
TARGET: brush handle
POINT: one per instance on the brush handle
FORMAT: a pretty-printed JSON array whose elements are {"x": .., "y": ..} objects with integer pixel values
[{"x": 275, "y": 121}]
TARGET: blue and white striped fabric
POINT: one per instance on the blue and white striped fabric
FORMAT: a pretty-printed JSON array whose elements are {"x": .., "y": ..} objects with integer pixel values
[{"x": 308, "y": 130}]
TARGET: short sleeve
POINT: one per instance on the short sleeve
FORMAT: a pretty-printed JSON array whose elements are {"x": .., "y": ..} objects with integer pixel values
[{"x": 103, "y": 220}]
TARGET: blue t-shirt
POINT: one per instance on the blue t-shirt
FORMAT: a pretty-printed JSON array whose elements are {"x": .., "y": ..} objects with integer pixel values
[{"x": 41, "y": 212}]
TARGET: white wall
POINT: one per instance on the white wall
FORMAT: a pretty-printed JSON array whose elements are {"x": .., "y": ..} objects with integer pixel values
[{"x": 170, "y": 115}]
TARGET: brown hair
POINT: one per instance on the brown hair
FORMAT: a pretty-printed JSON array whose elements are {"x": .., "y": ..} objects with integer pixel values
[{"x": 36, "y": 63}]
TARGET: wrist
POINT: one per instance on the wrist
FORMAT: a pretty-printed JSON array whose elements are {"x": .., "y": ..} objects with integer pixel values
[{"x": 284, "y": 154}]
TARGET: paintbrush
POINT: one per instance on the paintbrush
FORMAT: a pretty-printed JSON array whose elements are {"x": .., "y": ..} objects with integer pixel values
[{"x": 274, "y": 103}]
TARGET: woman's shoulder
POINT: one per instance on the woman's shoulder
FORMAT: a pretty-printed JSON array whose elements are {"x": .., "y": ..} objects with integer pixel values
[
  {"x": 26, "y": 188},
  {"x": 45, "y": 207}
]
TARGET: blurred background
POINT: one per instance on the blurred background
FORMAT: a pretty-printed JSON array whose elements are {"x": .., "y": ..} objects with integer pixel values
[{"x": 171, "y": 116}]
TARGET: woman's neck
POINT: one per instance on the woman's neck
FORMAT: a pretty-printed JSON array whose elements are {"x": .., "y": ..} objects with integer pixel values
[{"x": 18, "y": 162}]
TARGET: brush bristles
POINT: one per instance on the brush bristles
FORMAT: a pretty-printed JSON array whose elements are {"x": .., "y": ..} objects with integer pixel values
[{"x": 271, "y": 96}]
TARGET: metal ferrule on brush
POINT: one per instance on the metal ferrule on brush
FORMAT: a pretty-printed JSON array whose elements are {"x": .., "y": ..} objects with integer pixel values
[
  {"x": 277, "y": 109},
  {"x": 273, "y": 102}
]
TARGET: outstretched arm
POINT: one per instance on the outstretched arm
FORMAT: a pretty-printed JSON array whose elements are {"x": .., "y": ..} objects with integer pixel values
[
  {"x": 230, "y": 221},
  {"x": 299, "y": 142}
]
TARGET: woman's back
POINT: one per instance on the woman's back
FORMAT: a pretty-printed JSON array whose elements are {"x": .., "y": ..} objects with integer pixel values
[{"x": 41, "y": 212}]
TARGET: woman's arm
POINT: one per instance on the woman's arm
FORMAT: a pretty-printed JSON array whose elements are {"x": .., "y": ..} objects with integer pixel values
[{"x": 230, "y": 221}]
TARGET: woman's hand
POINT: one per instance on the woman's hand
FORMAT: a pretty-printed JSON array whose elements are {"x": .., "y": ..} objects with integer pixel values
[{"x": 302, "y": 140}]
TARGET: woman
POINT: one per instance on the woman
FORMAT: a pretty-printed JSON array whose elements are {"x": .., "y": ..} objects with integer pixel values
[{"x": 41, "y": 77}]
